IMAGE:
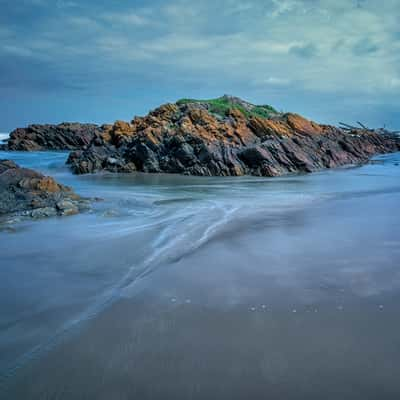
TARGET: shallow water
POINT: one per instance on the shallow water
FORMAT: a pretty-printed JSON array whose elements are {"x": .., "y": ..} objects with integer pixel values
[{"x": 194, "y": 287}]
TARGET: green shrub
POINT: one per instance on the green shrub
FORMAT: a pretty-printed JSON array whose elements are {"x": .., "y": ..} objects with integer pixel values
[{"x": 222, "y": 105}]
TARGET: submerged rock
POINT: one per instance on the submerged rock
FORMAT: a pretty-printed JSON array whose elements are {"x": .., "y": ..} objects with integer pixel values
[
  {"x": 225, "y": 136},
  {"x": 25, "y": 192}
]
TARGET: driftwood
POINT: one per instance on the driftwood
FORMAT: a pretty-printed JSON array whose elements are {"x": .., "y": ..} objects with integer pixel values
[
  {"x": 362, "y": 125},
  {"x": 364, "y": 129}
]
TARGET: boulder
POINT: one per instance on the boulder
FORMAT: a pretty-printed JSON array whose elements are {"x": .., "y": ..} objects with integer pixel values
[{"x": 31, "y": 194}]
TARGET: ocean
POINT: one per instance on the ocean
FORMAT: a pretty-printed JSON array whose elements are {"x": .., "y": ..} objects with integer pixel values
[{"x": 178, "y": 287}]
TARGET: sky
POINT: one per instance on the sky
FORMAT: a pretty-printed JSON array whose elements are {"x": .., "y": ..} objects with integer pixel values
[{"x": 99, "y": 61}]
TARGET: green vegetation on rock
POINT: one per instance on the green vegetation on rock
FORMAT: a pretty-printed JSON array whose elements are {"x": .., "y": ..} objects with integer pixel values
[{"x": 222, "y": 105}]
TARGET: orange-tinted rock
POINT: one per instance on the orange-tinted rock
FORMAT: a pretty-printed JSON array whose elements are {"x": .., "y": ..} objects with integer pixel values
[
  {"x": 187, "y": 138},
  {"x": 263, "y": 127},
  {"x": 106, "y": 132},
  {"x": 29, "y": 193},
  {"x": 302, "y": 125},
  {"x": 48, "y": 184},
  {"x": 120, "y": 131}
]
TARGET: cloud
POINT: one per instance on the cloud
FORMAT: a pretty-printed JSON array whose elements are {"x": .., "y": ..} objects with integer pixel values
[
  {"x": 66, "y": 4},
  {"x": 308, "y": 50},
  {"x": 318, "y": 47},
  {"x": 240, "y": 8},
  {"x": 273, "y": 81},
  {"x": 174, "y": 43},
  {"x": 365, "y": 46},
  {"x": 129, "y": 18},
  {"x": 18, "y": 51},
  {"x": 394, "y": 83},
  {"x": 281, "y": 7}
]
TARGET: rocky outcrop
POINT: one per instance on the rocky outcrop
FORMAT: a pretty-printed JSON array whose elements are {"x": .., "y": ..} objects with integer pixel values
[
  {"x": 29, "y": 193},
  {"x": 192, "y": 137},
  {"x": 65, "y": 136}
]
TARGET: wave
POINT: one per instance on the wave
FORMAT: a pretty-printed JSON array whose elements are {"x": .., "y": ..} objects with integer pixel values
[{"x": 3, "y": 137}]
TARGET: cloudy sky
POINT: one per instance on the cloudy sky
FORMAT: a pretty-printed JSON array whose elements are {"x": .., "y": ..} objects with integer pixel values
[{"x": 98, "y": 60}]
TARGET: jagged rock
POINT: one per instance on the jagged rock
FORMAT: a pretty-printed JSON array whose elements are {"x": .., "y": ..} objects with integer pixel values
[
  {"x": 28, "y": 193},
  {"x": 65, "y": 136},
  {"x": 226, "y": 136}
]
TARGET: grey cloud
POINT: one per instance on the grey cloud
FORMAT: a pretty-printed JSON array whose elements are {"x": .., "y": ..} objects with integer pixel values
[
  {"x": 304, "y": 51},
  {"x": 207, "y": 47},
  {"x": 365, "y": 46}
]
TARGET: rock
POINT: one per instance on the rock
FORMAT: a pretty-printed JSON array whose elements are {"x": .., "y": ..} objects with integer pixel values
[
  {"x": 225, "y": 136},
  {"x": 67, "y": 207},
  {"x": 24, "y": 192},
  {"x": 65, "y": 136},
  {"x": 43, "y": 212}
]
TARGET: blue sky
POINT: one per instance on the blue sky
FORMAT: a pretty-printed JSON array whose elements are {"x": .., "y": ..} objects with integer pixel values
[{"x": 98, "y": 61}]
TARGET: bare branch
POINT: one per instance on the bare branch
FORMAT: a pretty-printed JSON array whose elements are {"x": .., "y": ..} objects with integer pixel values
[
  {"x": 348, "y": 126},
  {"x": 363, "y": 126}
]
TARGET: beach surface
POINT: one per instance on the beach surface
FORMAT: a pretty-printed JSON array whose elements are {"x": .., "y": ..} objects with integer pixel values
[{"x": 190, "y": 288}]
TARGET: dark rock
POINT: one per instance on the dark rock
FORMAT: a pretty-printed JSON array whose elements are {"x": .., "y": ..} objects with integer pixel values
[
  {"x": 65, "y": 136},
  {"x": 28, "y": 193},
  {"x": 188, "y": 138}
]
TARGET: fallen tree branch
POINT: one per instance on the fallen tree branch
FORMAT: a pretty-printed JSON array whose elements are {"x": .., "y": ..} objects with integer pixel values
[
  {"x": 363, "y": 126},
  {"x": 363, "y": 129},
  {"x": 348, "y": 126}
]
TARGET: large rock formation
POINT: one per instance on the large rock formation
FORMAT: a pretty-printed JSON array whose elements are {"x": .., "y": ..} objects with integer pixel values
[
  {"x": 225, "y": 136},
  {"x": 29, "y": 193},
  {"x": 65, "y": 136}
]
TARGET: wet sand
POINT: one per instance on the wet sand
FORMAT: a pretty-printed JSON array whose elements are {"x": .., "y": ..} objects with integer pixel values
[
  {"x": 298, "y": 305},
  {"x": 145, "y": 350}
]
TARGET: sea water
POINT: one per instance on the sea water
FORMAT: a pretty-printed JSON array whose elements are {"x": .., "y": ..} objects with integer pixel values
[{"x": 194, "y": 287}]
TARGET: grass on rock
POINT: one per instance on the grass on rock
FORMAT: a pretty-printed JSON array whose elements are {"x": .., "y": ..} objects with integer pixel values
[{"x": 222, "y": 105}]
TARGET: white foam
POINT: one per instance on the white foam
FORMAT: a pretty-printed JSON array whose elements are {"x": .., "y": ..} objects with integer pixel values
[{"x": 3, "y": 137}]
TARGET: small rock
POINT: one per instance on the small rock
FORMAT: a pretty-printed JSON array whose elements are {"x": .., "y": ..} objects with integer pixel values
[
  {"x": 67, "y": 207},
  {"x": 44, "y": 212}
]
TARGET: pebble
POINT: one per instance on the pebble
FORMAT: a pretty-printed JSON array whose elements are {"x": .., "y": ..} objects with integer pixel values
[{"x": 264, "y": 306}]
